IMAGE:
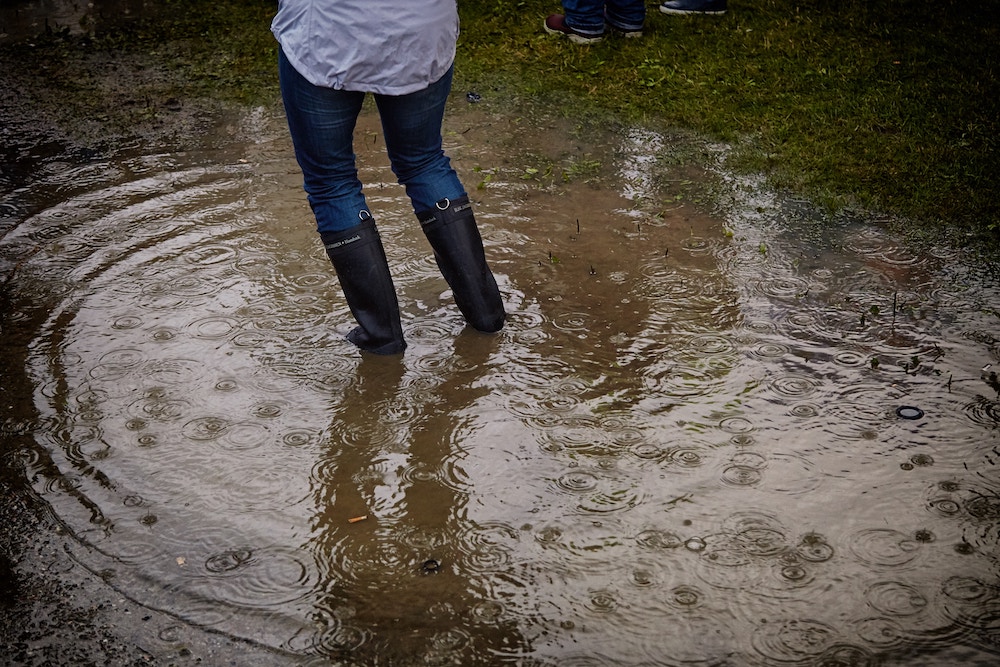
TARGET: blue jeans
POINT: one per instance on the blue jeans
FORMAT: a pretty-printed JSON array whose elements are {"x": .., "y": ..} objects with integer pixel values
[
  {"x": 322, "y": 120},
  {"x": 588, "y": 16}
]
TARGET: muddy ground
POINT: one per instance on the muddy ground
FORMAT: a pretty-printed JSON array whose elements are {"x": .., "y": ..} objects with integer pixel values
[{"x": 53, "y": 611}]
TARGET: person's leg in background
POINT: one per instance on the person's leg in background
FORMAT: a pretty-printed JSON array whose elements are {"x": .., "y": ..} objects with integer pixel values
[
  {"x": 321, "y": 122},
  {"x": 626, "y": 16},
  {"x": 582, "y": 21},
  {"x": 412, "y": 128}
]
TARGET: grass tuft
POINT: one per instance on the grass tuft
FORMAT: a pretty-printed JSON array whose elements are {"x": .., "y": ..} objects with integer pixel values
[{"x": 888, "y": 105}]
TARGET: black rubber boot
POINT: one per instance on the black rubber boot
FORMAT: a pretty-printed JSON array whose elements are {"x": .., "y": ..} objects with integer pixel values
[
  {"x": 458, "y": 249},
  {"x": 359, "y": 259}
]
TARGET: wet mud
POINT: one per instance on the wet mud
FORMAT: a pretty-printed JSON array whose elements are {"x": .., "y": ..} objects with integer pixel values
[{"x": 720, "y": 427}]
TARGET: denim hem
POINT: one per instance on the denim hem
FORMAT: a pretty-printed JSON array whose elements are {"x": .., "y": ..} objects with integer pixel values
[
  {"x": 591, "y": 30},
  {"x": 624, "y": 26}
]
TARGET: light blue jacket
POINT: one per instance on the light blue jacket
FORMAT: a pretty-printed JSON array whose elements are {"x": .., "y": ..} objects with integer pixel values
[{"x": 392, "y": 47}]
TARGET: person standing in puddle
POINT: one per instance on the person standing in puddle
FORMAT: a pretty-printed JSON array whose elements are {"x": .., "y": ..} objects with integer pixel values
[
  {"x": 331, "y": 55},
  {"x": 586, "y": 21}
]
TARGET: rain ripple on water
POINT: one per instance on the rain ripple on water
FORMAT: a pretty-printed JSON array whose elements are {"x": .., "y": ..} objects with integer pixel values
[{"x": 698, "y": 439}]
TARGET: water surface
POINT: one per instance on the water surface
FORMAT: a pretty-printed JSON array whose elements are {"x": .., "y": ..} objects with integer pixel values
[{"x": 739, "y": 433}]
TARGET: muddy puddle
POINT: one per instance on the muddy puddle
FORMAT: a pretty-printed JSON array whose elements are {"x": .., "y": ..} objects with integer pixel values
[
  {"x": 20, "y": 19},
  {"x": 739, "y": 433}
]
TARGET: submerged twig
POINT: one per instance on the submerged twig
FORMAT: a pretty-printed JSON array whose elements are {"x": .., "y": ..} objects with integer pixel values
[{"x": 895, "y": 295}]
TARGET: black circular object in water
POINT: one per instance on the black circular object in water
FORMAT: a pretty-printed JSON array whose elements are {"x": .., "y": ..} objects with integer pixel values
[
  {"x": 431, "y": 567},
  {"x": 909, "y": 412}
]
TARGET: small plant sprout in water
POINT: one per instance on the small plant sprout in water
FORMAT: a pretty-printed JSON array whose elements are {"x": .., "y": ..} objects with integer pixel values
[
  {"x": 485, "y": 181},
  {"x": 873, "y": 311},
  {"x": 587, "y": 170}
]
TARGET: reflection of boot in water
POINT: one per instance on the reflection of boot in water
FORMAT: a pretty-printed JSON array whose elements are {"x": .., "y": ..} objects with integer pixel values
[
  {"x": 355, "y": 441},
  {"x": 458, "y": 249},
  {"x": 400, "y": 587},
  {"x": 359, "y": 259}
]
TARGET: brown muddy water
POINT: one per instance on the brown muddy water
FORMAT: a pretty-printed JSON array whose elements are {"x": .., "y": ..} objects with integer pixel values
[
  {"x": 25, "y": 18},
  {"x": 731, "y": 434}
]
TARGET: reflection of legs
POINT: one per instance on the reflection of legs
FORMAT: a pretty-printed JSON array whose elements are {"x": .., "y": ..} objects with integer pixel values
[
  {"x": 412, "y": 127},
  {"x": 321, "y": 121},
  {"x": 413, "y": 573}
]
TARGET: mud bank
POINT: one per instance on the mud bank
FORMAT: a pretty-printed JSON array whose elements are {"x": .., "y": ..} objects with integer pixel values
[
  {"x": 57, "y": 612},
  {"x": 53, "y": 610}
]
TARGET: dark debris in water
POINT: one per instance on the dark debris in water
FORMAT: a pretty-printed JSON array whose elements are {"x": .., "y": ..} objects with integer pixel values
[
  {"x": 909, "y": 412},
  {"x": 989, "y": 376}
]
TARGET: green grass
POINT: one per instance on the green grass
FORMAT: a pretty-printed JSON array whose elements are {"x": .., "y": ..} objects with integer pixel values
[
  {"x": 889, "y": 106},
  {"x": 892, "y": 106}
]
